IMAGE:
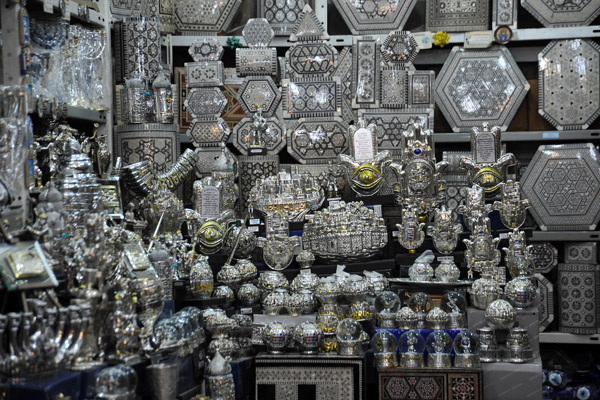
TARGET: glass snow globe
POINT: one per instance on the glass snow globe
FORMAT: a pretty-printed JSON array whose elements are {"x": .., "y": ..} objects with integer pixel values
[
  {"x": 421, "y": 304},
  {"x": 439, "y": 347},
  {"x": 466, "y": 350},
  {"x": 387, "y": 304},
  {"x": 116, "y": 383},
  {"x": 411, "y": 346},
  {"x": 383, "y": 345},
  {"x": 349, "y": 335},
  {"x": 455, "y": 305}
]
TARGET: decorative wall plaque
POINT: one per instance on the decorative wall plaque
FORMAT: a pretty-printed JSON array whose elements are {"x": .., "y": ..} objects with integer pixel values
[
  {"x": 202, "y": 101},
  {"x": 316, "y": 58},
  {"x": 365, "y": 72},
  {"x": 399, "y": 48},
  {"x": 394, "y": 84},
  {"x": 569, "y": 83},
  {"x": 420, "y": 89},
  {"x": 138, "y": 142},
  {"x": 374, "y": 16},
  {"x": 209, "y": 131},
  {"x": 311, "y": 97},
  {"x": 282, "y": 15},
  {"x": 562, "y": 13},
  {"x": 206, "y": 16},
  {"x": 581, "y": 252},
  {"x": 259, "y": 91},
  {"x": 562, "y": 182},
  {"x": 317, "y": 140},
  {"x": 258, "y": 32},
  {"x": 256, "y": 61},
  {"x": 274, "y": 139},
  {"x": 546, "y": 295},
  {"x": 578, "y": 290},
  {"x": 544, "y": 257},
  {"x": 504, "y": 13},
  {"x": 137, "y": 48},
  {"x": 477, "y": 86},
  {"x": 204, "y": 74},
  {"x": 452, "y": 16}
]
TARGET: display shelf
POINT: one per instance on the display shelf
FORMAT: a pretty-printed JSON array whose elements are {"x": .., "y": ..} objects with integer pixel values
[
  {"x": 568, "y": 338},
  {"x": 86, "y": 114},
  {"x": 78, "y": 11},
  {"x": 571, "y": 236}
]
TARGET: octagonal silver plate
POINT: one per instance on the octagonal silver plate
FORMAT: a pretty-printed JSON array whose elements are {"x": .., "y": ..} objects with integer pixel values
[
  {"x": 274, "y": 139},
  {"x": 399, "y": 48},
  {"x": 208, "y": 131},
  {"x": 569, "y": 83},
  {"x": 562, "y": 182},
  {"x": 374, "y": 16},
  {"x": 476, "y": 86},
  {"x": 259, "y": 91},
  {"x": 207, "y": 16},
  {"x": 555, "y": 13},
  {"x": 457, "y": 16},
  {"x": 317, "y": 140}
]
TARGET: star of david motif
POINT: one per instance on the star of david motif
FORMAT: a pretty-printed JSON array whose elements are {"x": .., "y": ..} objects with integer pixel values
[
  {"x": 311, "y": 59},
  {"x": 259, "y": 91},
  {"x": 257, "y": 32}
]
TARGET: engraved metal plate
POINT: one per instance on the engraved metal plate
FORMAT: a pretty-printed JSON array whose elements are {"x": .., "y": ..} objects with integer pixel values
[
  {"x": 557, "y": 13},
  {"x": 317, "y": 140},
  {"x": 202, "y": 101},
  {"x": 204, "y": 74},
  {"x": 578, "y": 291},
  {"x": 259, "y": 91},
  {"x": 251, "y": 169},
  {"x": 391, "y": 124},
  {"x": 562, "y": 182},
  {"x": 476, "y": 86},
  {"x": 308, "y": 28},
  {"x": 546, "y": 294},
  {"x": 581, "y": 252},
  {"x": 504, "y": 13},
  {"x": 310, "y": 59},
  {"x": 399, "y": 48},
  {"x": 311, "y": 97},
  {"x": 208, "y": 131},
  {"x": 274, "y": 139},
  {"x": 207, "y": 16},
  {"x": 456, "y": 16},
  {"x": 137, "y": 142},
  {"x": 374, "y": 16},
  {"x": 343, "y": 71},
  {"x": 256, "y": 61},
  {"x": 394, "y": 82},
  {"x": 257, "y": 32},
  {"x": 365, "y": 72},
  {"x": 544, "y": 257},
  {"x": 569, "y": 83},
  {"x": 207, "y": 157},
  {"x": 420, "y": 89},
  {"x": 206, "y": 50},
  {"x": 282, "y": 15}
]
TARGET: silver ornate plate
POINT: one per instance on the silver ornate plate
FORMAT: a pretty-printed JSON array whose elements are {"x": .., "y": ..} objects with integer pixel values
[
  {"x": 308, "y": 28},
  {"x": 135, "y": 142},
  {"x": 311, "y": 97},
  {"x": 569, "y": 83},
  {"x": 317, "y": 140},
  {"x": 557, "y": 13},
  {"x": 544, "y": 256},
  {"x": 391, "y": 123},
  {"x": 420, "y": 89},
  {"x": 578, "y": 291},
  {"x": 210, "y": 131},
  {"x": 205, "y": 101},
  {"x": 365, "y": 72},
  {"x": 343, "y": 71},
  {"x": 311, "y": 59},
  {"x": 546, "y": 294},
  {"x": 394, "y": 84},
  {"x": 457, "y": 16},
  {"x": 282, "y": 15},
  {"x": 581, "y": 252},
  {"x": 504, "y": 13},
  {"x": 207, "y": 157},
  {"x": 207, "y": 16},
  {"x": 259, "y": 91},
  {"x": 374, "y": 16},
  {"x": 274, "y": 139},
  {"x": 477, "y": 86},
  {"x": 251, "y": 169},
  {"x": 204, "y": 74},
  {"x": 257, "y": 32},
  {"x": 206, "y": 50},
  {"x": 256, "y": 61},
  {"x": 399, "y": 48},
  {"x": 562, "y": 182}
]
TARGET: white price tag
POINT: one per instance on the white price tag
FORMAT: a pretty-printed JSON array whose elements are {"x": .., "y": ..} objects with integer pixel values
[
  {"x": 377, "y": 209},
  {"x": 395, "y": 233},
  {"x": 503, "y": 235},
  {"x": 446, "y": 258},
  {"x": 478, "y": 39},
  {"x": 334, "y": 203},
  {"x": 253, "y": 228},
  {"x": 309, "y": 216},
  {"x": 211, "y": 202},
  {"x": 246, "y": 310},
  {"x": 363, "y": 145},
  {"x": 254, "y": 221},
  {"x": 48, "y": 7},
  {"x": 424, "y": 40},
  {"x": 305, "y": 271}
]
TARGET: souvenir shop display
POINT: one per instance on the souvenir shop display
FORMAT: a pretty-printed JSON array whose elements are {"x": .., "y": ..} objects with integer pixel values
[{"x": 221, "y": 199}]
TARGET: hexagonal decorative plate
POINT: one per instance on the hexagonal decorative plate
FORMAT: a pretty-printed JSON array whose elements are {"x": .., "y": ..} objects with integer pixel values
[
  {"x": 556, "y": 13},
  {"x": 261, "y": 91},
  {"x": 399, "y": 47},
  {"x": 274, "y": 139},
  {"x": 202, "y": 101},
  {"x": 562, "y": 182},
  {"x": 569, "y": 83},
  {"x": 206, "y": 50},
  {"x": 476, "y": 86},
  {"x": 258, "y": 32},
  {"x": 208, "y": 131},
  {"x": 310, "y": 59},
  {"x": 204, "y": 15},
  {"x": 545, "y": 257},
  {"x": 374, "y": 16},
  {"x": 546, "y": 291},
  {"x": 317, "y": 140},
  {"x": 457, "y": 16}
]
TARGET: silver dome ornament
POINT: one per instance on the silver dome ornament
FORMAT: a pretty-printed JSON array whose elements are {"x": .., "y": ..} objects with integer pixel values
[
  {"x": 376, "y": 282},
  {"x": 276, "y": 337},
  {"x": 411, "y": 347},
  {"x": 271, "y": 280},
  {"x": 436, "y": 319},
  {"x": 245, "y": 244},
  {"x": 308, "y": 336},
  {"x": 421, "y": 270},
  {"x": 278, "y": 253},
  {"x": 512, "y": 209},
  {"x": 481, "y": 247},
  {"x": 248, "y": 294},
  {"x": 474, "y": 204},
  {"x": 349, "y": 337},
  {"x": 224, "y": 291},
  {"x": 410, "y": 232},
  {"x": 305, "y": 259},
  {"x": 484, "y": 291},
  {"x": 488, "y": 351},
  {"x": 406, "y": 318},
  {"x": 355, "y": 289},
  {"x": 328, "y": 291},
  {"x": 225, "y": 346},
  {"x": 332, "y": 308},
  {"x": 487, "y": 166},
  {"x": 302, "y": 302},
  {"x": 466, "y": 350},
  {"x": 520, "y": 292},
  {"x": 230, "y": 275},
  {"x": 518, "y": 348},
  {"x": 219, "y": 377},
  {"x": 275, "y": 301},
  {"x": 518, "y": 259},
  {"x": 500, "y": 314},
  {"x": 420, "y": 176},
  {"x": 247, "y": 269},
  {"x": 439, "y": 347},
  {"x": 445, "y": 231},
  {"x": 308, "y": 281},
  {"x": 447, "y": 271}
]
